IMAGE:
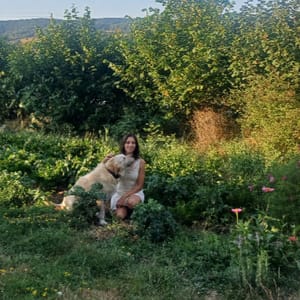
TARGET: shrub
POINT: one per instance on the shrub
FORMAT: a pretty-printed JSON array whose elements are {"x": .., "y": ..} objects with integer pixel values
[
  {"x": 16, "y": 189},
  {"x": 84, "y": 212},
  {"x": 171, "y": 190},
  {"x": 206, "y": 206},
  {"x": 270, "y": 117},
  {"x": 153, "y": 221}
]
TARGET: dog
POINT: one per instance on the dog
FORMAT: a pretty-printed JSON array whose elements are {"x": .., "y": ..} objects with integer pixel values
[{"x": 107, "y": 174}]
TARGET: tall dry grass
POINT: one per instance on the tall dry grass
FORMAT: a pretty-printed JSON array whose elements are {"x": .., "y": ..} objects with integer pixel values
[{"x": 210, "y": 128}]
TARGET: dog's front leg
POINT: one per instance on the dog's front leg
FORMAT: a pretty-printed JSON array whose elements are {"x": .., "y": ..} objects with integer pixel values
[{"x": 101, "y": 213}]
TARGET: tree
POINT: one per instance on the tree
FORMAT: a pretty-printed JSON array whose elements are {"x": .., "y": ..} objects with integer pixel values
[
  {"x": 177, "y": 60},
  {"x": 267, "y": 42},
  {"x": 63, "y": 78}
]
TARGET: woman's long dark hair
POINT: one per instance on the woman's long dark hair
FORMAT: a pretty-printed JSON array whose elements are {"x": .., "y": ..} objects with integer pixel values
[{"x": 136, "y": 153}]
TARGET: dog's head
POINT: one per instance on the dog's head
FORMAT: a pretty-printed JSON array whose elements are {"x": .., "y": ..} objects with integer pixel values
[{"x": 118, "y": 163}]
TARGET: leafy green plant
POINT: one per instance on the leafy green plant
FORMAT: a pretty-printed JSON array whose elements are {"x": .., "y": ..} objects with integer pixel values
[
  {"x": 269, "y": 117},
  {"x": 266, "y": 44},
  {"x": 84, "y": 212},
  {"x": 17, "y": 189},
  {"x": 153, "y": 221},
  {"x": 283, "y": 202},
  {"x": 262, "y": 251}
]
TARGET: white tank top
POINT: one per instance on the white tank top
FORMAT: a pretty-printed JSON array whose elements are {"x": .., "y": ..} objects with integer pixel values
[{"x": 129, "y": 180}]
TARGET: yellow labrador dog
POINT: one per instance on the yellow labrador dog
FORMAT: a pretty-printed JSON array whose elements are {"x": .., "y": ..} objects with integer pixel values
[{"x": 107, "y": 174}]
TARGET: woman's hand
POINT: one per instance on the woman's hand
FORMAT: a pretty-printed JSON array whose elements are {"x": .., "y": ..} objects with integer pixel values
[
  {"x": 123, "y": 201},
  {"x": 107, "y": 157}
]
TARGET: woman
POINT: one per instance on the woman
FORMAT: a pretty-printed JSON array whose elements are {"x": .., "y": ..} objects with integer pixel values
[{"x": 129, "y": 190}]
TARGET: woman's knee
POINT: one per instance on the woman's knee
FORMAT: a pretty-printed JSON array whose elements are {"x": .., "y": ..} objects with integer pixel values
[
  {"x": 133, "y": 201},
  {"x": 121, "y": 212}
]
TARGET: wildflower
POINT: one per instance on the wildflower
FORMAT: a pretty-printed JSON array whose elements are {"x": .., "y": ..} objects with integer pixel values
[
  {"x": 293, "y": 238},
  {"x": 236, "y": 211},
  {"x": 271, "y": 178},
  {"x": 251, "y": 187},
  {"x": 267, "y": 189}
]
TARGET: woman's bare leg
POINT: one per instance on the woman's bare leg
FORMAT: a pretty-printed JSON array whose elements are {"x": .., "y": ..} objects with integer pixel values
[{"x": 122, "y": 211}]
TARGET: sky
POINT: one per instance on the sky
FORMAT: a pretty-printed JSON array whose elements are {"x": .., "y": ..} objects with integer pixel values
[{"x": 28, "y": 9}]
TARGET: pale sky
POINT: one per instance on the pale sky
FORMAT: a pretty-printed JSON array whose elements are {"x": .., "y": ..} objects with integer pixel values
[{"x": 28, "y": 9}]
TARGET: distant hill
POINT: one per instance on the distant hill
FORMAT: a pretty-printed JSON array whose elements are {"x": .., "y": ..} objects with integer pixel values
[{"x": 15, "y": 30}]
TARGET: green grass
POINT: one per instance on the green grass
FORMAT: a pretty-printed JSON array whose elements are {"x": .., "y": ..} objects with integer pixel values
[{"x": 43, "y": 257}]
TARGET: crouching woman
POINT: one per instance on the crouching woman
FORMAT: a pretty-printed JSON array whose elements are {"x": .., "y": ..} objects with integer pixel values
[{"x": 129, "y": 190}]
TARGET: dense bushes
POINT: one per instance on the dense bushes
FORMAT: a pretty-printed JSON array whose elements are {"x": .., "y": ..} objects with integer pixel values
[
  {"x": 197, "y": 188},
  {"x": 269, "y": 116},
  {"x": 256, "y": 255}
]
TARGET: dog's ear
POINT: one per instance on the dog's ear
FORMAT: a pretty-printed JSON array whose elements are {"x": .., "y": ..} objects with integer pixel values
[
  {"x": 118, "y": 168},
  {"x": 113, "y": 165}
]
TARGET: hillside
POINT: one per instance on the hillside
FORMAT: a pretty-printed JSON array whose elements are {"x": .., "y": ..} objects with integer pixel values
[{"x": 15, "y": 30}]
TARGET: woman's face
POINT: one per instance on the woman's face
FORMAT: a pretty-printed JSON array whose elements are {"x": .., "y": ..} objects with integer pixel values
[{"x": 129, "y": 145}]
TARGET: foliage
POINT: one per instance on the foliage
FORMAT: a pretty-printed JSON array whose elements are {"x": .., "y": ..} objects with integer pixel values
[
  {"x": 85, "y": 210},
  {"x": 192, "y": 55},
  {"x": 269, "y": 117},
  {"x": 261, "y": 249},
  {"x": 283, "y": 202},
  {"x": 16, "y": 190},
  {"x": 202, "y": 188},
  {"x": 61, "y": 78},
  {"x": 51, "y": 161},
  {"x": 153, "y": 221},
  {"x": 176, "y": 60},
  {"x": 6, "y": 87},
  {"x": 266, "y": 41},
  {"x": 40, "y": 247}
]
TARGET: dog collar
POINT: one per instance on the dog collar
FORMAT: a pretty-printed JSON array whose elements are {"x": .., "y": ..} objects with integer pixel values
[{"x": 116, "y": 176}]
